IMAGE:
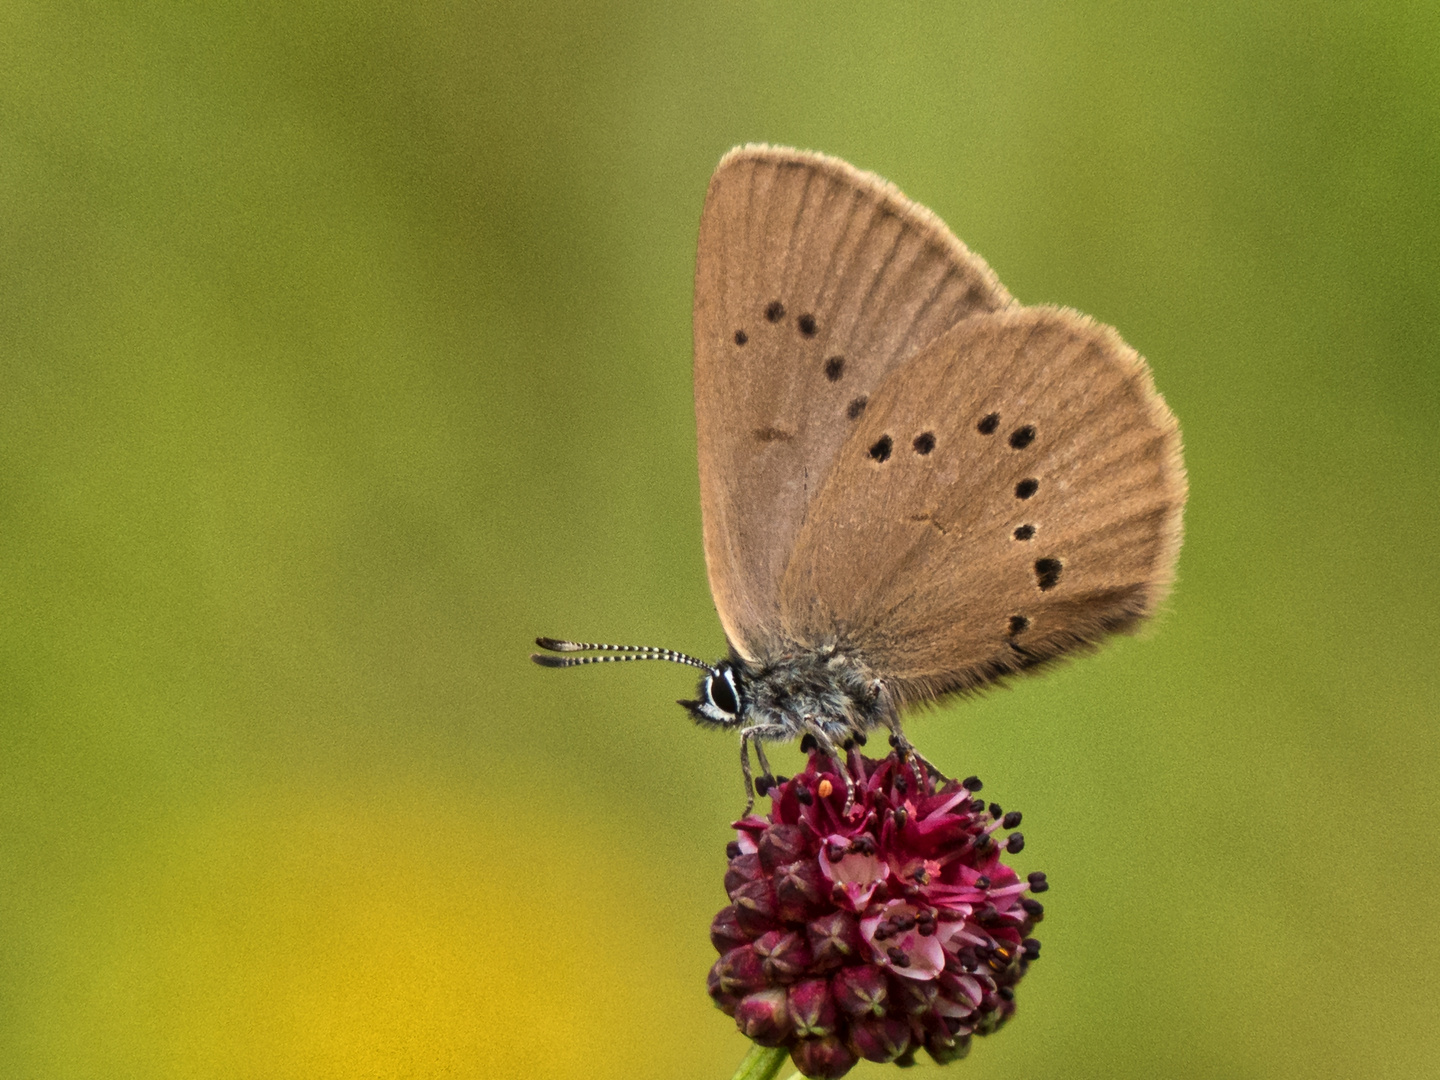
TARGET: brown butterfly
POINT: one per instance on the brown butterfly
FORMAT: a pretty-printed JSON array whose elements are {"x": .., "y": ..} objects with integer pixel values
[{"x": 911, "y": 484}]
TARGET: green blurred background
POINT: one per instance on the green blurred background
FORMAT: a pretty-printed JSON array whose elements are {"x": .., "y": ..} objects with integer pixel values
[{"x": 344, "y": 348}]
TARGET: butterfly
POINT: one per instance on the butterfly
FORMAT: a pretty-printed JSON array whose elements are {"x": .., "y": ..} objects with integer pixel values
[{"x": 912, "y": 485}]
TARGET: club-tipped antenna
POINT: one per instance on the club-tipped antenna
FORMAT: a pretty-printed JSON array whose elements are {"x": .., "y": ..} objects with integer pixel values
[{"x": 626, "y": 652}]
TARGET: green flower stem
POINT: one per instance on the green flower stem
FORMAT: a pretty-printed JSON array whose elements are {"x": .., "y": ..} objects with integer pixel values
[{"x": 762, "y": 1063}]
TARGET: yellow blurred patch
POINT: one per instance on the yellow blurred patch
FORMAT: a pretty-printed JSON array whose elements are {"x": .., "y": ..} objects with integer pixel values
[{"x": 310, "y": 939}]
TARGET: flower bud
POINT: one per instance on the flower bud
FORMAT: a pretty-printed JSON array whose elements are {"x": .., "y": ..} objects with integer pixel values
[
  {"x": 764, "y": 1017},
  {"x": 861, "y": 990},
  {"x": 781, "y": 844},
  {"x": 725, "y": 932},
  {"x": 784, "y": 956},
  {"x": 812, "y": 1008},
  {"x": 826, "y": 1058},
  {"x": 881, "y": 1039}
]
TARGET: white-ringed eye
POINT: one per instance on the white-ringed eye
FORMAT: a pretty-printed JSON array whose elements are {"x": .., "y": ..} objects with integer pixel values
[{"x": 721, "y": 692}]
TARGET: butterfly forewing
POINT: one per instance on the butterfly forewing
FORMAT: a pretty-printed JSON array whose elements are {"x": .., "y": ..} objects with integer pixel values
[
  {"x": 814, "y": 281},
  {"x": 1012, "y": 492}
]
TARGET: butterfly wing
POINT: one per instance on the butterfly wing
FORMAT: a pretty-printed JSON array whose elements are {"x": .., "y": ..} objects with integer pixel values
[
  {"x": 813, "y": 281},
  {"x": 1011, "y": 493}
]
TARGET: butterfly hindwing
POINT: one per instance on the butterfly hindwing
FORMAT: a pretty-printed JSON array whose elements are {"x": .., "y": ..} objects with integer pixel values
[
  {"x": 814, "y": 281},
  {"x": 1012, "y": 492}
]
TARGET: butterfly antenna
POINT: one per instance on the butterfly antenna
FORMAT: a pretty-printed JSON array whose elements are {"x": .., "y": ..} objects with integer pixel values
[{"x": 627, "y": 652}]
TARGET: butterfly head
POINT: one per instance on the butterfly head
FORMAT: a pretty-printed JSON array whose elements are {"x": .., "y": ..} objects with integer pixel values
[{"x": 723, "y": 697}]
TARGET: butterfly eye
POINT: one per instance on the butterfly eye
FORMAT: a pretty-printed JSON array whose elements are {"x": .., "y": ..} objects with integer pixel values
[{"x": 720, "y": 692}]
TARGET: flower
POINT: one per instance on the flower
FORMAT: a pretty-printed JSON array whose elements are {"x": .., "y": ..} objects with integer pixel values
[{"x": 878, "y": 933}]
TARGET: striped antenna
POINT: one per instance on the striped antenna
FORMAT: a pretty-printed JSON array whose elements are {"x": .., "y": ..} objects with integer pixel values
[{"x": 629, "y": 652}]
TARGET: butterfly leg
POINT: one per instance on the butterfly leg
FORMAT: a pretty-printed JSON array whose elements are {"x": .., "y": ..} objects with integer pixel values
[
  {"x": 903, "y": 746},
  {"x": 758, "y": 732},
  {"x": 765, "y": 772},
  {"x": 831, "y": 751}
]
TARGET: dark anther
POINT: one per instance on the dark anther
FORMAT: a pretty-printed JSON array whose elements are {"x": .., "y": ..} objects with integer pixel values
[
  {"x": 995, "y": 810},
  {"x": 848, "y": 744},
  {"x": 982, "y": 842},
  {"x": 924, "y": 442},
  {"x": 1038, "y": 882},
  {"x": 1007, "y": 993},
  {"x": 1047, "y": 573},
  {"x": 803, "y": 796},
  {"x": 977, "y": 806},
  {"x": 904, "y": 923},
  {"x": 1016, "y": 843},
  {"x": 1033, "y": 908},
  {"x": 898, "y": 958},
  {"x": 982, "y": 882},
  {"x": 732, "y": 849},
  {"x": 781, "y": 780},
  {"x": 808, "y": 744},
  {"x": 741, "y": 337},
  {"x": 972, "y": 783},
  {"x": 894, "y": 739},
  {"x": 834, "y": 852},
  {"x": 900, "y": 785},
  {"x": 881, "y": 450},
  {"x": 1012, "y": 819},
  {"x": 1027, "y": 487},
  {"x": 901, "y": 817},
  {"x": 988, "y": 425},
  {"x": 968, "y": 960},
  {"x": 762, "y": 786},
  {"x": 774, "y": 311},
  {"x": 860, "y": 738},
  {"x": 807, "y": 325},
  {"x": 856, "y": 407},
  {"x": 1032, "y": 948},
  {"x": 1025, "y": 532},
  {"x": 1022, "y": 437},
  {"x": 927, "y": 929},
  {"x": 834, "y": 368}
]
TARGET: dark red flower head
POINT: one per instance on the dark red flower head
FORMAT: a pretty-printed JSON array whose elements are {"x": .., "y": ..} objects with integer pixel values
[{"x": 875, "y": 935}]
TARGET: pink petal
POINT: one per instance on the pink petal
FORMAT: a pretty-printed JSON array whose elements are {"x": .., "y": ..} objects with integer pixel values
[
  {"x": 856, "y": 874},
  {"x": 926, "y": 955}
]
